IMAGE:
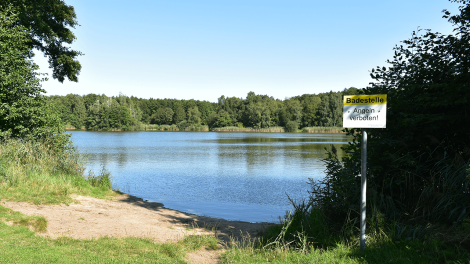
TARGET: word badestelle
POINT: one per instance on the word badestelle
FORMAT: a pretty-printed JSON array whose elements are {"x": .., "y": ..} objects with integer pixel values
[{"x": 376, "y": 100}]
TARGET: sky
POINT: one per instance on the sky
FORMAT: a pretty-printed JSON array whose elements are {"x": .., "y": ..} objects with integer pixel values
[{"x": 202, "y": 49}]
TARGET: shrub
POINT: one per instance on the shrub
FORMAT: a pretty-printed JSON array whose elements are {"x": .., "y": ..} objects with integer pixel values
[{"x": 292, "y": 126}]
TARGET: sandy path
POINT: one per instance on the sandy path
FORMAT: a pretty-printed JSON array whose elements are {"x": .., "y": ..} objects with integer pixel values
[{"x": 129, "y": 216}]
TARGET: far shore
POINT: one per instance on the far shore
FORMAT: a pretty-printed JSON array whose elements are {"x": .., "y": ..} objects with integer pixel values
[{"x": 166, "y": 128}]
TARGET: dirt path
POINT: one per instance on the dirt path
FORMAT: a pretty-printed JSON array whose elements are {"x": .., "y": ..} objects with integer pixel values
[{"x": 129, "y": 216}]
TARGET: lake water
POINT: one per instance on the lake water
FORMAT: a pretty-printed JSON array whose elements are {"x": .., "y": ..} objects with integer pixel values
[{"x": 235, "y": 176}]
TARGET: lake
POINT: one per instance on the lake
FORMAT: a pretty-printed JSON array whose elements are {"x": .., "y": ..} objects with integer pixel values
[{"x": 235, "y": 176}]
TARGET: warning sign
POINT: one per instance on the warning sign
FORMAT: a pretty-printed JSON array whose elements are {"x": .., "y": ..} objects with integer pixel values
[{"x": 365, "y": 111}]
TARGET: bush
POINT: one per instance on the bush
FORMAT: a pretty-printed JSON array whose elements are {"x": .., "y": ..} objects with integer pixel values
[{"x": 292, "y": 126}]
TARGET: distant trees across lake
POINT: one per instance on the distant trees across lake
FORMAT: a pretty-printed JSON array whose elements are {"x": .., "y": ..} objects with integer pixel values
[{"x": 100, "y": 112}]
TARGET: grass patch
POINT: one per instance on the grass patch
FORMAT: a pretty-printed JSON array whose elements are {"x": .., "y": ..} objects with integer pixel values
[{"x": 37, "y": 223}]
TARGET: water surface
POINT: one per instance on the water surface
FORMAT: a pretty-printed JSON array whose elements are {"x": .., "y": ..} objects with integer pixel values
[{"x": 236, "y": 176}]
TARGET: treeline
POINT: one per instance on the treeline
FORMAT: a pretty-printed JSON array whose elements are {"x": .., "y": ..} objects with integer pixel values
[{"x": 100, "y": 112}]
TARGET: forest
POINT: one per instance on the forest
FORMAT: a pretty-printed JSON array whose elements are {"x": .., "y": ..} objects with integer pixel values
[{"x": 100, "y": 112}]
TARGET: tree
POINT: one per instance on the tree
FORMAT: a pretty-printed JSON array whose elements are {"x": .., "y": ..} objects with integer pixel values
[
  {"x": 292, "y": 126},
  {"x": 310, "y": 111},
  {"x": 417, "y": 166},
  {"x": 24, "y": 111},
  {"x": 180, "y": 115},
  {"x": 48, "y": 23},
  {"x": 330, "y": 111},
  {"x": 163, "y": 116},
  {"x": 194, "y": 116},
  {"x": 223, "y": 120},
  {"x": 292, "y": 111},
  {"x": 73, "y": 110}
]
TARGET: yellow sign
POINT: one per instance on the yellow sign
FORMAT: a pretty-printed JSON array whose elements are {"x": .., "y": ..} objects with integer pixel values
[{"x": 365, "y": 99}]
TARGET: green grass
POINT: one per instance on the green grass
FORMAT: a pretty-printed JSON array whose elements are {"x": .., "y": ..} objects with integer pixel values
[{"x": 37, "y": 223}]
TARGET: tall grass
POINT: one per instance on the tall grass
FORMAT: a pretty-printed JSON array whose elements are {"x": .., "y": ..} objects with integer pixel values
[
  {"x": 248, "y": 129},
  {"x": 306, "y": 236},
  {"x": 322, "y": 130},
  {"x": 188, "y": 127},
  {"x": 31, "y": 170}
]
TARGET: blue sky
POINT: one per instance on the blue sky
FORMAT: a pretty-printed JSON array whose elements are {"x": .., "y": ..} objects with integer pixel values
[{"x": 202, "y": 49}]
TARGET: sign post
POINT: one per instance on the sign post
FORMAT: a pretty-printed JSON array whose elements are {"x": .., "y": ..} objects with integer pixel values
[{"x": 364, "y": 111}]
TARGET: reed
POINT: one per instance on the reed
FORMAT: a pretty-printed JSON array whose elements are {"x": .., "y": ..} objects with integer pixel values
[
  {"x": 333, "y": 130},
  {"x": 248, "y": 129},
  {"x": 188, "y": 128}
]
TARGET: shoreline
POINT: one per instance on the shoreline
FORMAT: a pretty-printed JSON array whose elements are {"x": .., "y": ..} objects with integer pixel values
[
  {"x": 129, "y": 216},
  {"x": 221, "y": 130}
]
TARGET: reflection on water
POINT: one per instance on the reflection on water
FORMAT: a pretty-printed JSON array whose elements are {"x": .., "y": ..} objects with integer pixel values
[{"x": 237, "y": 176}]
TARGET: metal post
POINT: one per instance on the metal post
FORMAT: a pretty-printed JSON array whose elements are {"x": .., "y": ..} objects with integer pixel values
[{"x": 363, "y": 188}]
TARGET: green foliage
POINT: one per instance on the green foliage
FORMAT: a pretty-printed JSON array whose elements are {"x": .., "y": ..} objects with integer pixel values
[
  {"x": 71, "y": 108},
  {"x": 180, "y": 115},
  {"x": 194, "y": 116},
  {"x": 310, "y": 111},
  {"x": 48, "y": 23},
  {"x": 183, "y": 125},
  {"x": 292, "y": 126},
  {"x": 112, "y": 113},
  {"x": 24, "y": 111},
  {"x": 331, "y": 110},
  {"x": 163, "y": 116},
  {"x": 223, "y": 120},
  {"x": 103, "y": 180},
  {"x": 211, "y": 119}
]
